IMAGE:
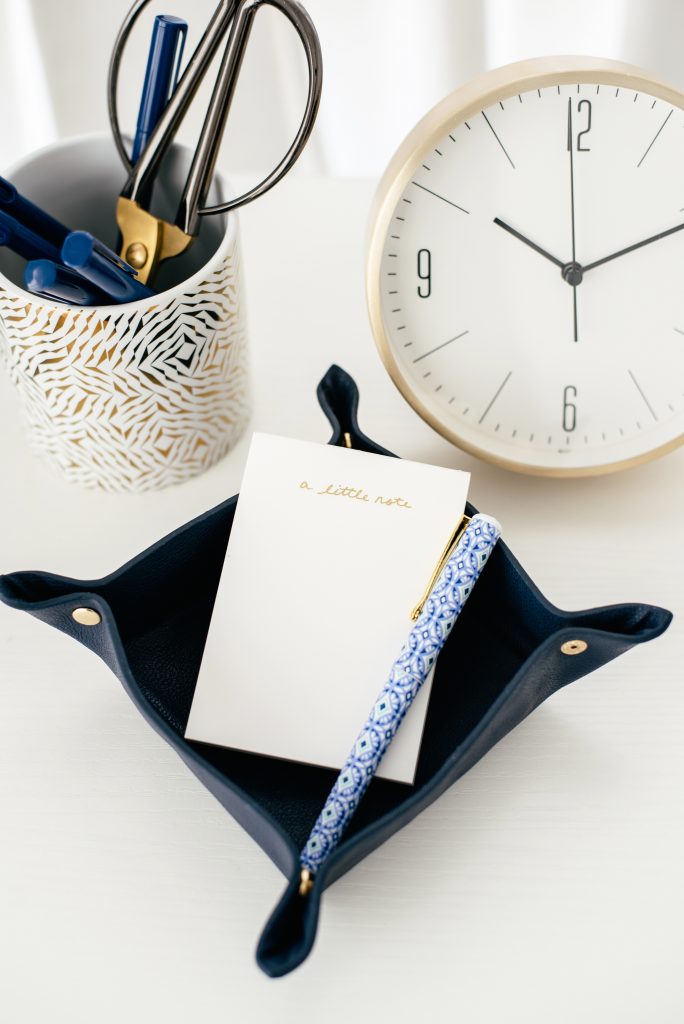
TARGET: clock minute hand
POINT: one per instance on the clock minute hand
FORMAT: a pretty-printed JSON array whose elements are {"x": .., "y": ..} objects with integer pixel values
[
  {"x": 631, "y": 248},
  {"x": 528, "y": 241}
]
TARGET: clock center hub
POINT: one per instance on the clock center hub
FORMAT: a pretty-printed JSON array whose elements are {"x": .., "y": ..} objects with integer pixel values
[{"x": 573, "y": 273}]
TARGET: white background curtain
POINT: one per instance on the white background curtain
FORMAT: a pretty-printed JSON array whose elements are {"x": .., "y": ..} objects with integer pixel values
[{"x": 386, "y": 62}]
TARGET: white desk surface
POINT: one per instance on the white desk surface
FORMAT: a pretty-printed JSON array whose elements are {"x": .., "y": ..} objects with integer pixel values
[{"x": 546, "y": 886}]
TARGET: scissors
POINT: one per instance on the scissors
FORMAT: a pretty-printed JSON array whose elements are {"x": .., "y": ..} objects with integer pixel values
[{"x": 146, "y": 239}]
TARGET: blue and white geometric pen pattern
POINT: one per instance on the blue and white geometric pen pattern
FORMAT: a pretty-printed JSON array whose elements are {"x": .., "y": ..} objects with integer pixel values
[{"x": 406, "y": 677}]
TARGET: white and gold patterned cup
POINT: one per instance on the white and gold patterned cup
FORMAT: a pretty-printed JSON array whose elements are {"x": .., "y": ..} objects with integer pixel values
[{"x": 141, "y": 395}]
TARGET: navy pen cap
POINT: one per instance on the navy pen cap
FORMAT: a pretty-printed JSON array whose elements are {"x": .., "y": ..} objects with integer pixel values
[
  {"x": 102, "y": 267},
  {"x": 40, "y": 275}
]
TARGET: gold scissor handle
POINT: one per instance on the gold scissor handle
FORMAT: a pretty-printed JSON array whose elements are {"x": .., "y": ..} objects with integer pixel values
[{"x": 145, "y": 239}]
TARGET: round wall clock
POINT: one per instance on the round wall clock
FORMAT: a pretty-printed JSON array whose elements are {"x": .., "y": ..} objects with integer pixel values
[{"x": 526, "y": 267}]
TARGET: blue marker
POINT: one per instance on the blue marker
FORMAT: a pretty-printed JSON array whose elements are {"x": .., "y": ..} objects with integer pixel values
[
  {"x": 30, "y": 215},
  {"x": 161, "y": 75},
  {"x": 26, "y": 243},
  {"x": 52, "y": 281},
  {"x": 102, "y": 267}
]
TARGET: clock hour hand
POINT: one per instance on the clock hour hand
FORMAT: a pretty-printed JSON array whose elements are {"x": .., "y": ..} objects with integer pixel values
[
  {"x": 631, "y": 248},
  {"x": 528, "y": 241}
]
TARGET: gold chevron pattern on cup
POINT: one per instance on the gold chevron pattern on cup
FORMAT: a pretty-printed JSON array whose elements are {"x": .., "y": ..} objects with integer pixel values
[{"x": 135, "y": 398}]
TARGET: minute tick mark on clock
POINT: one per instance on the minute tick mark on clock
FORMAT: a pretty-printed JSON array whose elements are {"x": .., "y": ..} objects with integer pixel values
[
  {"x": 437, "y": 196},
  {"x": 497, "y": 138},
  {"x": 438, "y": 347},
  {"x": 496, "y": 395},
  {"x": 648, "y": 148},
  {"x": 637, "y": 385}
]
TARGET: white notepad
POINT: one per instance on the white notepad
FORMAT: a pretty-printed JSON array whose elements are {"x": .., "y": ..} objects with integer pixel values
[{"x": 329, "y": 552}]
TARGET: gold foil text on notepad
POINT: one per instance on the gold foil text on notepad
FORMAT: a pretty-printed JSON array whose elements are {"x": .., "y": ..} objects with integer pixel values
[{"x": 355, "y": 494}]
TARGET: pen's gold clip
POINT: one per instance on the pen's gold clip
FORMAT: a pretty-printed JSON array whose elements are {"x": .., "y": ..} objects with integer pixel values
[{"x": 443, "y": 559}]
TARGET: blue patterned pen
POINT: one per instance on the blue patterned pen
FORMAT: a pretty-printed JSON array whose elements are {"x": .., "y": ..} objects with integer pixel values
[{"x": 456, "y": 575}]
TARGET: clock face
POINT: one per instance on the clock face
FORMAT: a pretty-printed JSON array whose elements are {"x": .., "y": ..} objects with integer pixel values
[{"x": 530, "y": 276}]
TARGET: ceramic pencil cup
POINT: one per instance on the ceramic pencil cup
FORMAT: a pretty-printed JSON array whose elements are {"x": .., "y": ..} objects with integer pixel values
[{"x": 136, "y": 396}]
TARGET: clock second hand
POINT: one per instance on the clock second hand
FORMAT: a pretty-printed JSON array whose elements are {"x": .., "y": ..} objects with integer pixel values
[
  {"x": 572, "y": 280},
  {"x": 571, "y": 272}
]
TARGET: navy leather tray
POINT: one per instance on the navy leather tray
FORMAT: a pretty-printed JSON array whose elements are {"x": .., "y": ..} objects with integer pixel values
[{"x": 501, "y": 661}]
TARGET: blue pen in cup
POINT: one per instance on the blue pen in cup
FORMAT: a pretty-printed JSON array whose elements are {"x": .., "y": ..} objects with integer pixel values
[
  {"x": 31, "y": 216},
  {"x": 53, "y": 281},
  {"x": 25, "y": 242},
  {"x": 102, "y": 267},
  {"x": 161, "y": 75}
]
